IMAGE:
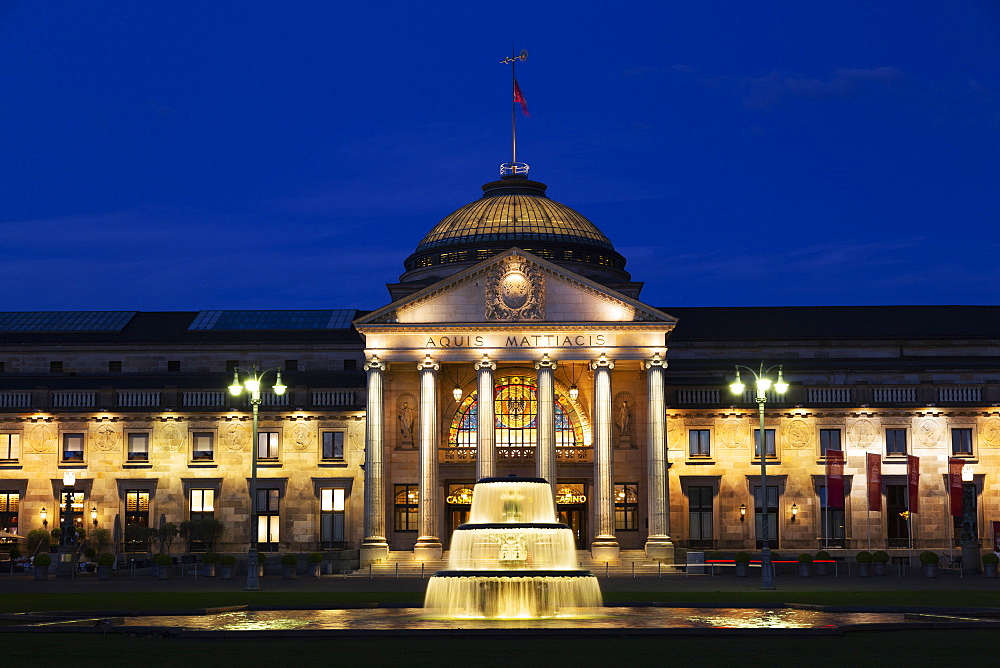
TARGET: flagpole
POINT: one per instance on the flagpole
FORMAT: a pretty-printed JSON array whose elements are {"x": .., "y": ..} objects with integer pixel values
[{"x": 512, "y": 61}]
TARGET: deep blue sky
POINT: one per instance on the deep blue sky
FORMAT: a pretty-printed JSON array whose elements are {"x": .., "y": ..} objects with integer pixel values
[{"x": 205, "y": 155}]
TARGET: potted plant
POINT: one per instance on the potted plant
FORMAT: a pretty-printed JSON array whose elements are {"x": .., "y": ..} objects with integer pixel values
[
  {"x": 228, "y": 566},
  {"x": 820, "y": 567},
  {"x": 211, "y": 532},
  {"x": 210, "y": 559},
  {"x": 41, "y": 564},
  {"x": 164, "y": 565},
  {"x": 315, "y": 560},
  {"x": 105, "y": 562},
  {"x": 805, "y": 565},
  {"x": 91, "y": 555},
  {"x": 56, "y": 535},
  {"x": 37, "y": 537},
  {"x": 165, "y": 535},
  {"x": 880, "y": 562},
  {"x": 288, "y": 562},
  {"x": 101, "y": 538},
  {"x": 990, "y": 561},
  {"x": 864, "y": 559},
  {"x": 742, "y": 560},
  {"x": 929, "y": 563}
]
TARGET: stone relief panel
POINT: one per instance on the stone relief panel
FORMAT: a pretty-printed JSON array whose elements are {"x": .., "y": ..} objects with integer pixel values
[
  {"x": 929, "y": 432},
  {"x": 169, "y": 438},
  {"x": 862, "y": 433},
  {"x": 42, "y": 438},
  {"x": 235, "y": 437},
  {"x": 989, "y": 433},
  {"x": 675, "y": 434},
  {"x": 797, "y": 433},
  {"x": 515, "y": 290},
  {"x": 106, "y": 438},
  {"x": 300, "y": 436},
  {"x": 732, "y": 434}
]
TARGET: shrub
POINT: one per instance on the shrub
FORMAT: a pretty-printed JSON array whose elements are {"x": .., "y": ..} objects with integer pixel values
[
  {"x": 822, "y": 555},
  {"x": 161, "y": 559},
  {"x": 863, "y": 557},
  {"x": 314, "y": 558},
  {"x": 106, "y": 559},
  {"x": 80, "y": 532},
  {"x": 289, "y": 560},
  {"x": 100, "y": 537},
  {"x": 880, "y": 557},
  {"x": 15, "y": 553},
  {"x": 56, "y": 534},
  {"x": 742, "y": 558},
  {"x": 210, "y": 558},
  {"x": 227, "y": 560},
  {"x": 35, "y": 538},
  {"x": 90, "y": 553},
  {"x": 166, "y": 534},
  {"x": 714, "y": 556},
  {"x": 990, "y": 559},
  {"x": 42, "y": 561},
  {"x": 261, "y": 558},
  {"x": 805, "y": 558},
  {"x": 929, "y": 558}
]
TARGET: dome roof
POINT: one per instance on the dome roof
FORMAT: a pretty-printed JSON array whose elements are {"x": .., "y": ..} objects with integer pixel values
[{"x": 515, "y": 211}]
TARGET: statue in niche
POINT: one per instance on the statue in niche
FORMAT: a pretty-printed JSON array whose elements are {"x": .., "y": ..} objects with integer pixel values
[
  {"x": 624, "y": 419},
  {"x": 407, "y": 418}
]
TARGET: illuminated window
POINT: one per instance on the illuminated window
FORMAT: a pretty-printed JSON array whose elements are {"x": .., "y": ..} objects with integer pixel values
[
  {"x": 961, "y": 442},
  {"x": 136, "y": 515},
  {"x": 138, "y": 447},
  {"x": 202, "y": 502},
  {"x": 10, "y": 447},
  {"x": 627, "y": 506},
  {"x": 895, "y": 442},
  {"x": 768, "y": 438},
  {"x": 72, "y": 448},
  {"x": 268, "y": 518},
  {"x": 699, "y": 443},
  {"x": 267, "y": 446},
  {"x": 10, "y": 502},
  {"x": 331, "y": 516},
  {"x": 333, "y": 445},
  {"x": 202, "y": 446},
  {"x": 829, "y": 439},
  {"x": 405, "y": 504}
]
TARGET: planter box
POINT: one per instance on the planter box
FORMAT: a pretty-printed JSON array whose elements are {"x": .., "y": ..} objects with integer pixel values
[
  {"x": 163, "y": 572},
  {"x": 864, "y": 570},
  {"x": 228, "y": 572},
  {"x": 990, "y": 570},
  {"x": 104, "y": 572},
  {"x": 929, "y": 570},
  {"x": 41, "y": 572},
  {"x": 288, "y": 572},
  {"x": 313, "y": 570},
  {"x": 881, "y": 568},
  {"x": 742, "y": 570},
  {"x": 805, "y": 570}
]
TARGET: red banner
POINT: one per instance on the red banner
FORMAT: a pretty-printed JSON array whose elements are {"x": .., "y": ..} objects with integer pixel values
[
  {"x": 913, "y": 483},
  {"x": 955, "y": 467},
  {"x": 834, "y": 479},
  {"x": 873, "y": 465}
]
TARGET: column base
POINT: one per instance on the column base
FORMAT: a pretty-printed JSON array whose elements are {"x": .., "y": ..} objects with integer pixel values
[
  {"x": 660, "y": 548},
  {"x": 428, "y": 549},
  {"x": 605, "y": 549},
  {"x": 374, "y": 552}
]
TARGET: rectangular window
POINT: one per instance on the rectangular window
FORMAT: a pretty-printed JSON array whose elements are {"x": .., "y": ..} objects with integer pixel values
[
  {"x": 10, "y": 502},
  {"x": 831, "y": 528},
  {"x": 202, "y": 446},
  {"x": 895, "y": 442},
  {"x": 769, "y": 440},
  {"x": 627, "y": 506},
  {"x": 72, "y": 448},
  {"x": 333, "y": 445},
  {"x": 829, "y": 439},
  {"x": 75, "y": 509},
  {"x": 405, "y": 503},
  {"x": 267, "y": 446},
  {"x": 768, "y": 513},
  {"x": 137, "y": 517},
  {"x": 961, "y": 442},
  {"x": 10, "y": 447},
  {"x": 700, "y": 516},
  {"x": 138, "y": 447},
  {"x": 965, "y": 526},
  {"x": 331, "y": 516},
  {"x": 268, "y": 518},
  {"x": 202, "y": 504},
  {"x": 897, "y": 515},
  {"x": 699, "y": 443}
]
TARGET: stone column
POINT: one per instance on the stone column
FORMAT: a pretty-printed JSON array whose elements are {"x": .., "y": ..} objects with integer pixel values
[
  {"x": 485, "y": 420},
  {"x": 605, "y": 545},
  {"x": 658, "y": 544},
  {"x": 428, "y": 545},
  {"x": 545, "y": 449},
  {"x": 374, "y": 548}
]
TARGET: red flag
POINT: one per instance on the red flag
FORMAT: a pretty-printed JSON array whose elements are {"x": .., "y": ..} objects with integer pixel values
[
  {"x": 519, "y": 98},
  {"x": 873, "y": 465},
  {"x": 834, "y": 479},
  {"x": 913, "y": 483},
  {"x": 955, "y": 466}
]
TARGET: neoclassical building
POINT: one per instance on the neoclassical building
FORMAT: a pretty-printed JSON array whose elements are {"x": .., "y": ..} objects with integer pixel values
[{"x": 622, "y": 406}]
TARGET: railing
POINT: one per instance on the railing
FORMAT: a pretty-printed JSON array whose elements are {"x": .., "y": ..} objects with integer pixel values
[
  {"x": 960, "y": 394},
  {"x": 138, "y": 399},
  {"x": 697, "y": 396},
  {"x": 334, "y": 398},
  {"x": 750, "y": 396},
  {"x": 74, "y": 399},
  {"x": 15, "y": 399},
  {"x": 828, "y": 395},
  {"x": 269, "y": 399},
  {"x": 894, "y": 395},
  {"x": 203, "y": 399},
  {"x": 467, "y": 454}
]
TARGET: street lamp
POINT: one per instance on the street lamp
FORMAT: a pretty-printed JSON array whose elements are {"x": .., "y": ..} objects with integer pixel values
[
  {"x": 251, "y": 383},
  {"x": 763, "y": 384}
]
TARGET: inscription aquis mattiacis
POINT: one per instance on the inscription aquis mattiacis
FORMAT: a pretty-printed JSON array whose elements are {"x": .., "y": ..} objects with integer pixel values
[{"x": 517, "y": 341}]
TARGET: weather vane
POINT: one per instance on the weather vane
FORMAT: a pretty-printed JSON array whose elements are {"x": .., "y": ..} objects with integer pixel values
[{"x": 514, "y": 167}]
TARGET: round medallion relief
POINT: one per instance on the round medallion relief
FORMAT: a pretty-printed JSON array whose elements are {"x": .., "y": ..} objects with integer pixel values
[
  {"x": 106, "y": 438},
  {"x": 989, "y": 433},
  {"x": 169, "y": 438},
  {"x": 862, "y": 433},
  {"x": 797, "y": 434},
  {"x": 235, "y": 437},
  {"x": 301, "y": 437},
  {"x": 42, "y": 438},
  {"x": 929, "y": 433},
  {"x": 732, "y": 434}
]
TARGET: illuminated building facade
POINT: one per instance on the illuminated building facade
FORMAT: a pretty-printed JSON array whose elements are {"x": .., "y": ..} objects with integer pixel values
[{"x": 622, "y": 406}]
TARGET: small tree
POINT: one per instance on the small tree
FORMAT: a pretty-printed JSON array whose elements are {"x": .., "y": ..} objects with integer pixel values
[
  {"x": 211, "y": 532},
  {"x": 188, "y": 531},
  {"x": 166, "y": 534},
  {"x": 101, "y": 538},
  {"x": 37, "y": 538}
]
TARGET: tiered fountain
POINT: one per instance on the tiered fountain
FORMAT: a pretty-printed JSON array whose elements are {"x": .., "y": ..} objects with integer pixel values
[{"x": 512, "y": 559}]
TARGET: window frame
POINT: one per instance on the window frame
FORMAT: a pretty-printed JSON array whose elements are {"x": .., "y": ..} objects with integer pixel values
[
  {"x": 63, "y": 442},
  {"x": 971, "y": 431},
  {"x": 823, "y": 447},
  {"x": 897, "y": 432},
  {"x": 10, "y": 444},
  {"x": 193, "y": 436},
  {"x": 343, "y": 446},
  {"x": 701, "y": 432},
  {"x": 271, "y": 529},
  {"x": 626, "y": 511},
  {"x": 770, "y": 443},
  {"x": 129, "y": 433},
  {"x": 407, "y": 512},
  {"x": 9, "y": 519},
  {"x": 274, "y": 443},
  {"x": 332, "y": 519}
]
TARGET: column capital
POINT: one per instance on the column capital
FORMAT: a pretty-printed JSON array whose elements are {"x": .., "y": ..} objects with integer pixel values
[
  {"x": 602, "y": 363},
  {"x": 546, "y": 363},
  {"x": 375, "y": 364},
  {"x": 656, "y": 361},
  {"x": 485, "y": 363},
  {"x": 428, "y": 365}
]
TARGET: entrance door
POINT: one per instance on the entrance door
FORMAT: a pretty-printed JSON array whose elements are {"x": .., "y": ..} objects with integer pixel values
[
  {"x": 575, "y": 518},
  {"x": 897, "y": 524}
]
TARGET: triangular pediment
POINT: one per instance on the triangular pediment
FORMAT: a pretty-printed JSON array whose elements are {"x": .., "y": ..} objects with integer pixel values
[{"x": 514, "y": 287}]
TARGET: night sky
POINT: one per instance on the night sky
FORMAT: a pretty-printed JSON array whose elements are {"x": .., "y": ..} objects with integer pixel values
[{"x": 241, "y": 155}]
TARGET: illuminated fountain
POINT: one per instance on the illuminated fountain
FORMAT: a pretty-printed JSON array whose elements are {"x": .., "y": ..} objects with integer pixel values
[{"x": 512, "y": 559}]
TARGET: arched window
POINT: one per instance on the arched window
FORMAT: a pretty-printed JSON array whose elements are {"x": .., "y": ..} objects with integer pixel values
[{"x": 515, "y": 405}]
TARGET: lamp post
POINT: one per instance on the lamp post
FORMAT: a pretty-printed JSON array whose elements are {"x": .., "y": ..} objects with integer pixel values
[
  {"x": 68, "y": 528},
  {"x": 251, "y": 383},
  {"x": 763, "y": 384}
]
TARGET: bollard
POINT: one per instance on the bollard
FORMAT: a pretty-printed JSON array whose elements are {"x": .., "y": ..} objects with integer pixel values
[
  {"x": 369, "y": 571},
  {"x": 397, "y": 570},
  {"x": 633, "y": 569},
  {"x": 421, "y": 570},
  {"x": 658, "y": 569},
  {"x": 606, "y": 566}
]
